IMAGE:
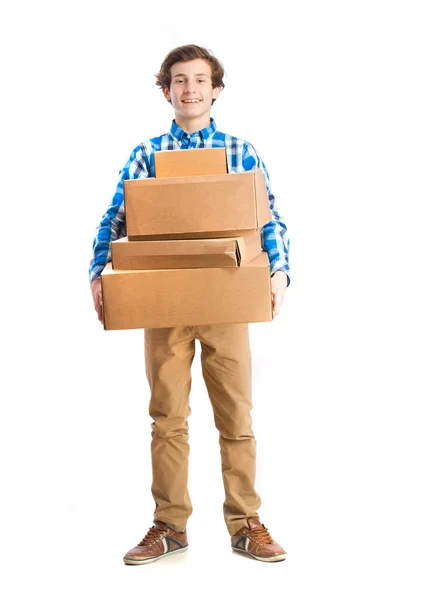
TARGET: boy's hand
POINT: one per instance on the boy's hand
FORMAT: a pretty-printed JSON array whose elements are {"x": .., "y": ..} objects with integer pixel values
[
  {"x": 96, "y": 292},
  {"x": 278, "y": 289}
]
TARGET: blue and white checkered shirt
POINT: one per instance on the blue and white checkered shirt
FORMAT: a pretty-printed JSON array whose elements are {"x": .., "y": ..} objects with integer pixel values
[{"x": 241, "y": 156}]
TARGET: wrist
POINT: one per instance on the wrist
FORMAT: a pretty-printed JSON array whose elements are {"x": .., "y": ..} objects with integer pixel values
[{"x": 279, "y": 274}]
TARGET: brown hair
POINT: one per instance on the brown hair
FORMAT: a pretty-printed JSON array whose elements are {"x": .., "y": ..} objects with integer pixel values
[{"x": 184, "y": 54}]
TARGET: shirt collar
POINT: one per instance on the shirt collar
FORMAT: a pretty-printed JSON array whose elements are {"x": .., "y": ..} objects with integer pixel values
[{"x": 178, "y": 134}]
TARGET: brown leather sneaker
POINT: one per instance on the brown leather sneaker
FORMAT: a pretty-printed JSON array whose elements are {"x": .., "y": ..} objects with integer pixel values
[
  {"x": 159, "y": 541},
  {"x": 257, "y": 541}
]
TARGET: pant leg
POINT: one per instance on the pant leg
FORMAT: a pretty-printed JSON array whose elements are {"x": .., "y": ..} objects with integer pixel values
[
  {"x": 169, "y": 354},
  {"x": 226, "y": 367}
]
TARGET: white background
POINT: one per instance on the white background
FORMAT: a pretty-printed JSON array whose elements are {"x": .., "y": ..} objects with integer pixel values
[{"x": 331, "y": 95}]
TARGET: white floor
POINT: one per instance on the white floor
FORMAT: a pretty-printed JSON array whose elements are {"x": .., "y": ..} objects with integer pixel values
[{"x": 338, "y": 476}]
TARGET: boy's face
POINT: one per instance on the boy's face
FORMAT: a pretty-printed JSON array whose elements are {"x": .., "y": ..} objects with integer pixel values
[{"x": 191, "y": 81}]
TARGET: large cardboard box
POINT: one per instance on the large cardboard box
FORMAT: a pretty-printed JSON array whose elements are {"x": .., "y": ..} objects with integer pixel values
[
  {"x": 174, "y": 297},
  {"x": 196, "y": 207},
  {"x": 186, "y": 254},
  {"x": 190, "y": 162}
]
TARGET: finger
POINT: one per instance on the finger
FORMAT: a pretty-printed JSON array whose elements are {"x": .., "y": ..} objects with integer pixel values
[{"x": 99, "y": 311}]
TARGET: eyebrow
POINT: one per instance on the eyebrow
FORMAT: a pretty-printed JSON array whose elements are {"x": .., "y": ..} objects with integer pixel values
[{"x": 196, "y": 75}]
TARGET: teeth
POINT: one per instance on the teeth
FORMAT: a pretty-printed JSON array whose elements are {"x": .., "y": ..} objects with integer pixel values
[{"x": 190, "y": 101}]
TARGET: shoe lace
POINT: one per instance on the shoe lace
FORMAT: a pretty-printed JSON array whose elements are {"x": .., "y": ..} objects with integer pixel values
[
  {"x": 152, "y": 536},
  {"x": 261, "y": 535}
]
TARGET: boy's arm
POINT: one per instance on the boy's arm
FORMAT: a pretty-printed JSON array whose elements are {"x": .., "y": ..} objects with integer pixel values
[
  {"x": 112, "y": 224},
  {"x": 275, "y": 240}
]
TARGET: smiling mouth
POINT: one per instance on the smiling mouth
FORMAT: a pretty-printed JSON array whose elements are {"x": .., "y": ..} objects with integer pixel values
[{"x": 191, "y": 101}]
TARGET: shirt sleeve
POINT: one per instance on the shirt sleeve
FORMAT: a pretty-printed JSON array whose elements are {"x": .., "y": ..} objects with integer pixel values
[
  {"x": 275, "y": 240},
  {"x": 112, "y": 225}
]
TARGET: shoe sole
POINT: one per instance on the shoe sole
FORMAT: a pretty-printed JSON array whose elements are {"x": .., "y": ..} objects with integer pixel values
[
  {"x": 134, "y": 561},
  {"x": 277, "y": 558}
]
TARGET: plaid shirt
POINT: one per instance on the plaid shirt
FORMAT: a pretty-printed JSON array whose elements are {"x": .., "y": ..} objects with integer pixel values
[{"x": 241, "y": 156}]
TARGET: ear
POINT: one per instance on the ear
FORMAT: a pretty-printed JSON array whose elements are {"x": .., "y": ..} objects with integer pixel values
[
  {"x": 215, "y": 92},
  {"x": 167, "y": 94}
]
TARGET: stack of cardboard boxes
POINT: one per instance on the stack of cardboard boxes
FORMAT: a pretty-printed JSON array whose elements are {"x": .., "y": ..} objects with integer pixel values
[{"x": 192, "y": 255}]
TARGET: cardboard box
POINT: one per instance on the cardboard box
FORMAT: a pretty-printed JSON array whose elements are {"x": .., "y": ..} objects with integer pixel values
[
  {"x": 196, "y": 207},
  {"x": 175, "y": 297},
  {"x": 186, "y": 254},
  {"x": 190, "y": 162}
]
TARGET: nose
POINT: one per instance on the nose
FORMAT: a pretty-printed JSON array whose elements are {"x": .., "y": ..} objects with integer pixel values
[{"x": 189, "y": 87}]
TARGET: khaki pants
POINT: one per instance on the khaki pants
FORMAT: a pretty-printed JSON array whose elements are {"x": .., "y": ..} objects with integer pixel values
[{"x": 226, "y": 367}]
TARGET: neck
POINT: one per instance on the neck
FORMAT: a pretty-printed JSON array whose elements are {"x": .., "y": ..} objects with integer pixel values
[{"x": 190, "y": 125}]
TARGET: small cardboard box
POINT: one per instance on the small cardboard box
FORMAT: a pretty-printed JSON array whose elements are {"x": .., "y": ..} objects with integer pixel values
[
  {"x": 186, "y": 254},
  {"x": 174, "y": 297},
  {"x": 190, "y": 162},
  {"x": 196, "y": 207}
]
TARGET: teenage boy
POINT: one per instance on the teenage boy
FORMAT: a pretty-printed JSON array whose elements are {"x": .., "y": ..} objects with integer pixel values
[{"x": 191, "y": 79}]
